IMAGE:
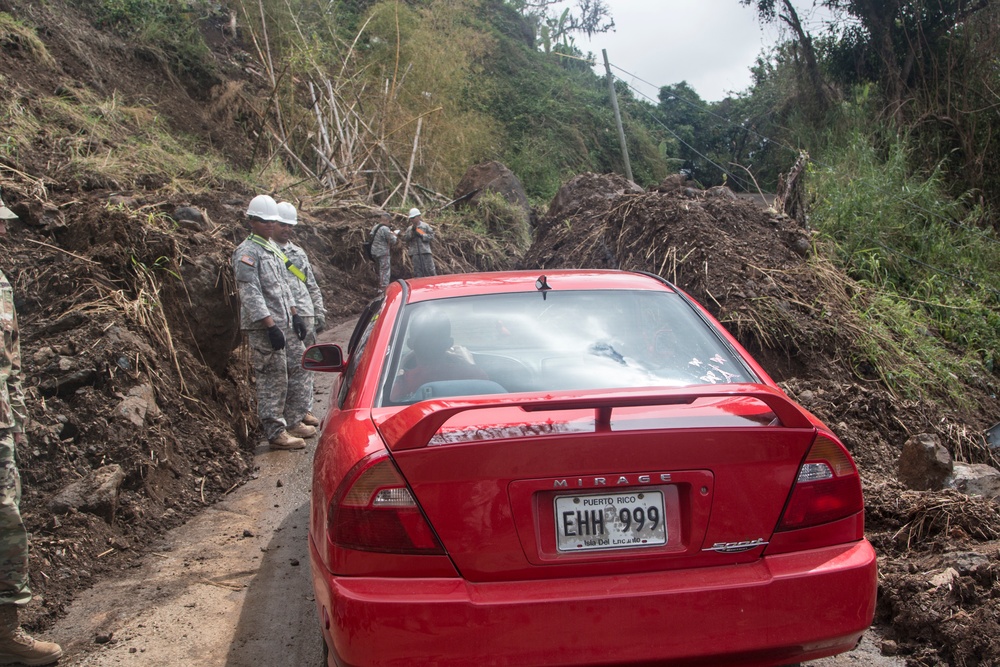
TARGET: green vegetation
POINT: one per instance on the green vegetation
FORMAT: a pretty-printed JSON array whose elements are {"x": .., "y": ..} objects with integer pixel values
[
  {"x": 903, "y": 182},
  {"x": 16, "y": 33},
  {"x": 391, "y": 101},
  {"x": 167, "y": 30},
  {"x": 408, "y": 95},
  {"x": 494, "y": 216},
  {"x": 929, "y": 265},
  {"x": 103, "y": 142}
]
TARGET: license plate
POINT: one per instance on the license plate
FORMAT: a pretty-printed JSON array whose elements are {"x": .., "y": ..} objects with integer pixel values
[{"x": 610, "y": 521}]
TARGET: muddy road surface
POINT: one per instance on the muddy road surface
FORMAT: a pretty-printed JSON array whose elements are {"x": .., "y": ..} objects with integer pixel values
[{"x": 231, "y": 588}]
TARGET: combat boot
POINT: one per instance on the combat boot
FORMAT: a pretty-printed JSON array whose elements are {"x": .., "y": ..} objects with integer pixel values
[
  {"x": 285, "y": 441},
  {"x": 310, "y": 420},
  {"x": 302, "y": 430},
  {"x": 16, "y": 647}
]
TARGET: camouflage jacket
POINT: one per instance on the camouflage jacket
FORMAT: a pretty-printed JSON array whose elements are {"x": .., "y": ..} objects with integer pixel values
[
  {"x": 13, "y": 412},
  {"x": 263, "y": 290},
  {"x": 308, "y": 300},
  {"x": 418, "y": 241},
  {"x": 382, "y": 240}
]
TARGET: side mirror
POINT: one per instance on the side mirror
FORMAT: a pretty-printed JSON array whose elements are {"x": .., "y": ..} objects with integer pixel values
[{"x": 325, "y": 358}]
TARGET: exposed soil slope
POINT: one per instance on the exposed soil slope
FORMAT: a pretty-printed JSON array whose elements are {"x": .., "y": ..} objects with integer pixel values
[{"x": 133, "y": 359}]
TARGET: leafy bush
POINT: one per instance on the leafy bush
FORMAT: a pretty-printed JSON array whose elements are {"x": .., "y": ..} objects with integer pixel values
[{"x": 934, "y": 269}]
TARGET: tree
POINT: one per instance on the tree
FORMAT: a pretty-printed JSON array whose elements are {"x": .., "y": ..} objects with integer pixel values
[
  {"x": 590, "y": 17},
  {"x": 768, "y": 10},
  {"x": 905, "y": 37},
  {"x": 933, "y": 65}
]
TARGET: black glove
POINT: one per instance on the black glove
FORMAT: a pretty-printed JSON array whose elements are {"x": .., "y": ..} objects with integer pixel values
[
  {"x": 277, "y": 338},
  {"x": 299, "y": 327}
]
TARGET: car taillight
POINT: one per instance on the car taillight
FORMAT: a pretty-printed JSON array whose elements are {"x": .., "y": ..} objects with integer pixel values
[
  {"x": 826, "y": 489},
  {"x": 375, "y": 511}
]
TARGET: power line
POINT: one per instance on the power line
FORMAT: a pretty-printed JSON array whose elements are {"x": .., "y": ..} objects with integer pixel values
[
  {"x": 894, "y": 251},
  {"x": 728, "y": 173},
  {"x": 702, "y": 108}
]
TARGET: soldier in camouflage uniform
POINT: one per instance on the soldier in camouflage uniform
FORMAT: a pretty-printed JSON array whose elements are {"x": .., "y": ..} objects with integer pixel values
[
  {"x": 383, "y": 237},
  {"x": 15, "y": 645},
  {"x": 269, "y": 319},
  {"x": 418, "y": 237},
  {"x": 308, "y": 303}
]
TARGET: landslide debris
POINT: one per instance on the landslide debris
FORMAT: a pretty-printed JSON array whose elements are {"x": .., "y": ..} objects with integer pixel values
[
  {"x": 138, "y": 383},
  {"x": 762, "y": 276}
]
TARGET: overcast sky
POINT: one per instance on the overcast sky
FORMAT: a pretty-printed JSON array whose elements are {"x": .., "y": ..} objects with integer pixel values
[{"x": 711, "y": 44}]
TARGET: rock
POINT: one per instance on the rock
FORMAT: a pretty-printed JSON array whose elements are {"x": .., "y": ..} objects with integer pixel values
[
  {"x": 801, "y": 246},
  {"x": 676, "y": 183},
  {"x": 975, "y": 479},
  {"x": 140, "y": 403},
  {"x": 127, "y": 342},
  {"x": 133, "y": 409},
  {"x": 945, "y": 578},
  {"x": 65, "y": 323},
  {"x": 43, "y": 355},
  {"x": 66, "y": 384},
  {"x": 120, "y": 543},
  {"x": 491, "y": 176},
  {"x": 188, "y": 213},
  {"x": 191, "y": 218},
  {"x": 925, "y": 463},
  {"x": 967, "y": 562},
  {"x": 720, "y": 192},
  {"x": 122, "y": 200},
  {"x": 993, "y": 437},
  {"x": 97, "y": 494},
  {"x": 39, "y": 214}
]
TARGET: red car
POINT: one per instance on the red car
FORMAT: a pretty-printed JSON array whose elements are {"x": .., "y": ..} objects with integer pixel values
[{"x": 576, "y": 468}]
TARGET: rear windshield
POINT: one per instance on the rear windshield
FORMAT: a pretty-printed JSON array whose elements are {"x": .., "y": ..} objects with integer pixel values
[{"x": 560, "y": 341}]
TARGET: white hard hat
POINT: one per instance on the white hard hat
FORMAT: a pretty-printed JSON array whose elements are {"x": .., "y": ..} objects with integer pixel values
[
  {"x": 287, "y": 214},
  {"x": 414, "y": 212},
  {"x": 6, "y": 213},
  {"x": 263, "y": 207}
]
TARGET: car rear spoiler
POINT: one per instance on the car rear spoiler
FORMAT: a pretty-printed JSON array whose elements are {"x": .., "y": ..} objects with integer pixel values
[{"x": 414, "y": 426}]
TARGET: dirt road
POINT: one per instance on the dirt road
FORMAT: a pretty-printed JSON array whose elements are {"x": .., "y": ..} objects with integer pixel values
[{"x": 231, "y": 587}]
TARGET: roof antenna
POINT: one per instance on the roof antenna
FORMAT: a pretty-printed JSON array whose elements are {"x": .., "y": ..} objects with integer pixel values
[{"x": 542, "y": 285}]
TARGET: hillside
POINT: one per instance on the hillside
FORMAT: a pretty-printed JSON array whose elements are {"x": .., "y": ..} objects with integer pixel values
[{"x": 134, "y": 365}]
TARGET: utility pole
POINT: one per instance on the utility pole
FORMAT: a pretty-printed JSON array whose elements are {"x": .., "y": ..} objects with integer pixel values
[{"x": 618, "y": 115}]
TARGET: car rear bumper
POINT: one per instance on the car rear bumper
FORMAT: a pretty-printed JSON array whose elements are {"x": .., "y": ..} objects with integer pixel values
[{"x": 781, "y": 609}]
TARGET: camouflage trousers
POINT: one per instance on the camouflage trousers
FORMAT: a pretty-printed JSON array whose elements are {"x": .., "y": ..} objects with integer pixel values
[
  {"x": 383, "y": 269},
  {"x": 13, "y": 535},
  {"x": 423, "y": 265},
  {"x": 307, "y": 376},
  {"x": 282, "y": 398}
]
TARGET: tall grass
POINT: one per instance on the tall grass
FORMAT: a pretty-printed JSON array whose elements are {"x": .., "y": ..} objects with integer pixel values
[
  {"x": 104, "y": 142},
  {"x": 930, "y": 261},
  {"x": 165, "y": 29}
]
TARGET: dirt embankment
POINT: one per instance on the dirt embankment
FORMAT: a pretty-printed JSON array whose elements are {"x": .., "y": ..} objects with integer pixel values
[
  {"x": 762, "y": 276},
  {"x": 136, "y": 373}
]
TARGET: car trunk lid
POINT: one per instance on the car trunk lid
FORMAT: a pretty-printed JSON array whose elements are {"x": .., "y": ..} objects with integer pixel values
[{"x": 532, "y": 486}]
